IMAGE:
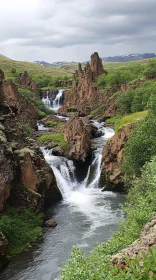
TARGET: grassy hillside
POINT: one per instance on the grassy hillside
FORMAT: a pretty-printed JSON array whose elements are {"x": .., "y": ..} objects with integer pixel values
[{"x": 8, "y": 66}]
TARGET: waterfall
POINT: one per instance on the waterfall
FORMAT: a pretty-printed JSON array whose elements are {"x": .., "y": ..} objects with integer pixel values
[
  {"x": 56, "y": 103},
  {"x": 64, "y": 169}
]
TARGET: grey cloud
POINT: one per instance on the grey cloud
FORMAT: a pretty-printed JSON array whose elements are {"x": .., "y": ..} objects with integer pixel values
[{"x": 70, "y": 23}]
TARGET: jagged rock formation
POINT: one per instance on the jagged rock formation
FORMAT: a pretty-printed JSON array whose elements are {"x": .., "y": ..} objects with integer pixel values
[
  {"x": 20, "y": 106},
  {"x": 146, "y": 240},
  {"x": 26, "y": 179},
  {"x": 84, "y": 91},
  {"x": 25, "y": 80},
  {"x": 78, "y": 137},
  {"x": 113, "y": 155}
]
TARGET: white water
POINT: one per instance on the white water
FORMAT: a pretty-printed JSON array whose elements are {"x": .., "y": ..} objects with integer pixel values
[
  {"x": 83, "y": 196},
  {"x": 56, "y": 103}
]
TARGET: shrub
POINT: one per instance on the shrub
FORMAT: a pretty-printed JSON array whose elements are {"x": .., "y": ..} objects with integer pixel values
[
  {"x": 20, "y": 226},
  {"x": 150, "y": 71},
  {"x": 141, "y": 145},
  {"x": 50, "y": 123}
]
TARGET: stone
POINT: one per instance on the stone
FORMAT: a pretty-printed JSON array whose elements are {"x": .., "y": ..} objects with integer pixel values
[
  {"x": 25, "y": 80},
  {"x": 113, "y": 154},
  {"x": 78, "y": 138},
  {"x": 50, "y": 223}
]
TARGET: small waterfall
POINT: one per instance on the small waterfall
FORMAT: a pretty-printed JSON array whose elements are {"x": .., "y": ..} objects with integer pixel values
[{"x": 56, "y": 103}]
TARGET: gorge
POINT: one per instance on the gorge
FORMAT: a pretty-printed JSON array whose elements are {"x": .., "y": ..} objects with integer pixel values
[{"x": 67, "y": 157}]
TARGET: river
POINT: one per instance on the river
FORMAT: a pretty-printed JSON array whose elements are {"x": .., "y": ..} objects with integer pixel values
[{"x": 85, "y": 216}]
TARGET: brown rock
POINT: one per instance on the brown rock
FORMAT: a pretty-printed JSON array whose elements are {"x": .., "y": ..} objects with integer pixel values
[
  {"x": 96, "y": 66},
  {"x": 113, "y": 154},
  {"x": 20, "y": 105},
  {"x": 78, "y": 138},
  {"x": 50, "y": 223},
  {"x": 25, "y": 80}
]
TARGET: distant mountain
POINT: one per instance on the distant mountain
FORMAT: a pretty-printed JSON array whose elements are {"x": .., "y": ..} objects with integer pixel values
[
  {"x": 130, "y": 57},
  {"x": 119, "y": 58},
  {"x": 54, "y": 64}
]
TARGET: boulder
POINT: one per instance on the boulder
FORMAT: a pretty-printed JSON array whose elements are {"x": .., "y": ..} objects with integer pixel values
[{"x": 50, "y": 223}]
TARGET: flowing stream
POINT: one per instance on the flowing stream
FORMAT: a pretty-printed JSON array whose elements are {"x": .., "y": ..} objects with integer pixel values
[{"x": 85, "y": 216}]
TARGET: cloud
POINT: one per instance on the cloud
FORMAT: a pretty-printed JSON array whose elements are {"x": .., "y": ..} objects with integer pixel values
[{"x": 58, "y": 26}]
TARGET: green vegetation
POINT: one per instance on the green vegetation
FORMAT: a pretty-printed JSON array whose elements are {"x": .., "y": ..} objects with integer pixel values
[
  {"x": 119, "y": 121},
  {"x": 41, "y": 110},
  {"x": 97, "y": 110},
  {"x": 20, "y": 226},
  {"x": 58, "y": 138},
  {"x": 136, "y": 100},
  {"x": 97, "y": 266},
  {"x": 142, "y": 142},
  {"x": 131, "y": 71},
  {"x": 44, "y": 76},
  {"x": 51, "y": 123},
  {"x": 72, "y": 109},
  {"x": 27, "y": 129}
]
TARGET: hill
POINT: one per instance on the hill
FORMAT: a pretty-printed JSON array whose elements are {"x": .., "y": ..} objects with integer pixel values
[{"x": 10, "y": 66}]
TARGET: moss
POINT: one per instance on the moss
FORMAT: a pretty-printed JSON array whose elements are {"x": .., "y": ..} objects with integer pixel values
[
  {"x": 2, "y": 127},
  {"x": 94, "y": 112},
  {"x": 24, "y": 151},
  {"x": 51, "y": 123},
  {"x": 58, "y": 139},
  {"x": 72, "y": 109}
]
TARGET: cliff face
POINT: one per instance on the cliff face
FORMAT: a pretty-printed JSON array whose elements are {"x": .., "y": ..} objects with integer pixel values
[
  {"x": 113, "y": 155},
  {"x": 26, "y": 179},
  {"x": 84, "y": 91},
  {"x": 78, "y": 137}
]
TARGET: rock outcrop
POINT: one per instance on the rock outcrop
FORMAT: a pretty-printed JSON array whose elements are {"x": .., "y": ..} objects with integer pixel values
[
  {"x": 78, "y": 137},
  {"x": 84, "y": 91},
  {"x": 25, "y": 80},
  {"x": 146, "y": 240},
  {"x": 19, "y": 105},
  {"x": 113, "y": 155}
]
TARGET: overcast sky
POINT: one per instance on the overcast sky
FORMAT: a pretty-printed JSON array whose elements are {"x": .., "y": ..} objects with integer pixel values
[{"x": 56, "y": 30}]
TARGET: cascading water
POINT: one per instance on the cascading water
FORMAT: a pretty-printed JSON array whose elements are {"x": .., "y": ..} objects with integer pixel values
[{"x": 56, "y": 103}]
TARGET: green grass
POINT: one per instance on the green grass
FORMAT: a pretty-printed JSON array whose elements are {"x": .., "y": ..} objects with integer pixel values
[
  {"x": 51, "y": 123},
  {"x": 33, "y": 69},
  {"x": 58, "y": 138},
  {"x": 20, "y": 226},
  {"x": 95, "y": 111},
  {"x": 120, "y": 121}
]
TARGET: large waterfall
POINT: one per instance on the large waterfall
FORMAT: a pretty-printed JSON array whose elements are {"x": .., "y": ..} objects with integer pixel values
[{"x": 56, "y": 103}]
